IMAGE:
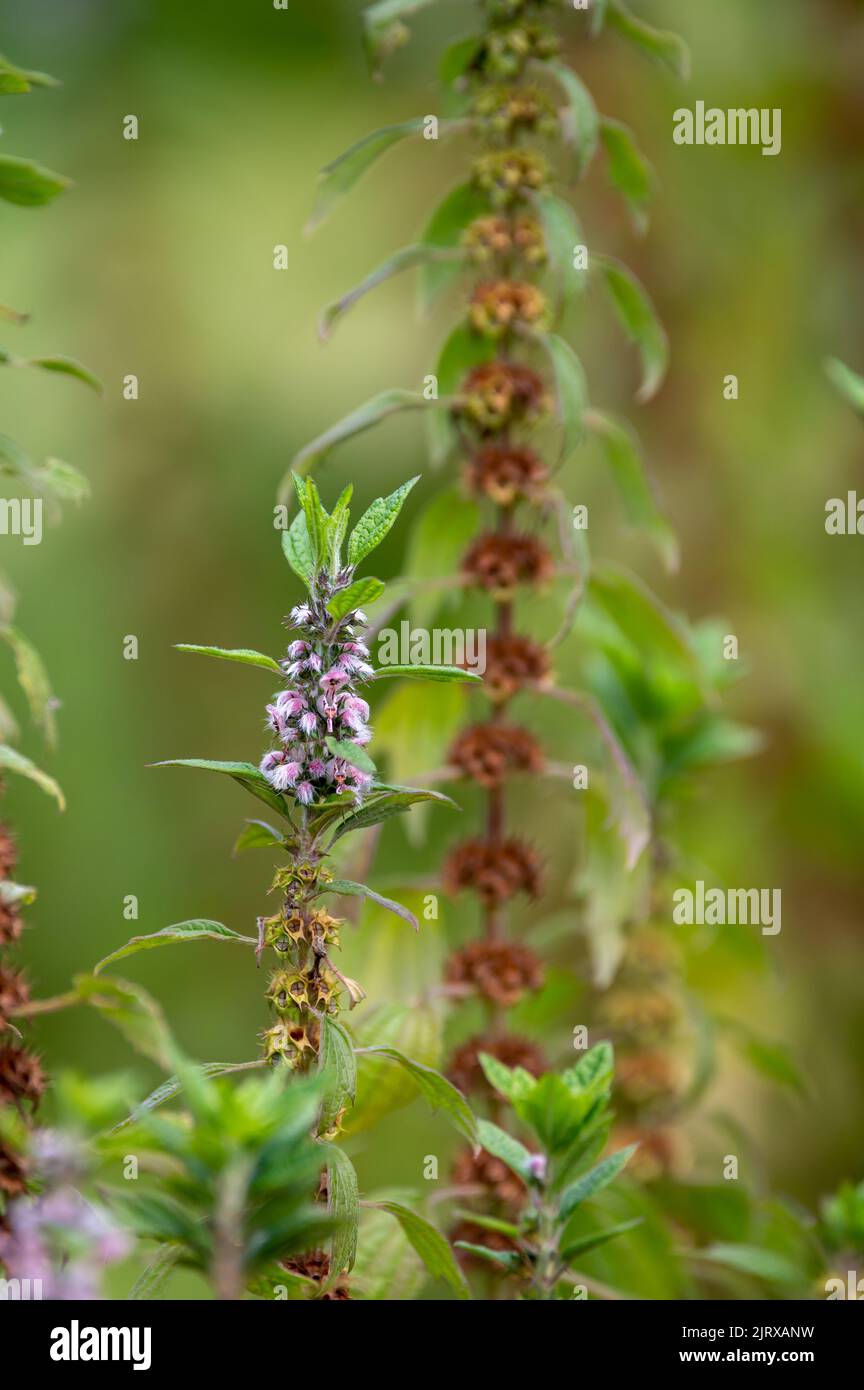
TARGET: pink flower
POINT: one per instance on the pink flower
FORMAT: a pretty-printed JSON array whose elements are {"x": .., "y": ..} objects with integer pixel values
[
  {"x": 291, "y": 702},
  {"x": 316, "y": 768},
  {"x": 305, "y": 792},
  {"x": 301, "y": 614},
  {"x": 269, "y": 761},
  {"x": 354, "y": 711},
  {"x": 331, "y": 681},
  {"x": 361, "y": 735},
  {"x": 298, "y": 648},
  {"x": 285, "y": 776},
  {"x": 308, "y": 723}
]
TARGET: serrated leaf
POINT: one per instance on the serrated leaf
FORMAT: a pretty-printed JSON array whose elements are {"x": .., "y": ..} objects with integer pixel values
[
  {"x": 623, "y": 454},
  {"x": 594, "y": 1180},
  {"x": 629, "y": 170},
  {"x": 581, "y": 123},
  {"x": 246, "y": 655},
  {"x": 430, "y": 1245},
  {"x": 352, "y": 753},
  {"x": 438, "y": 1092},
  {"x": 194, "y": 930},
  {"x": 514, "y": 1083},
  {"x": 13, "y": 761},
  {"x": 151, "y": 1282},
  {"x": 338, "y": 1066},
  {"x": 380, "y": 808},
  {"x": 376, "y": 522},
  {"x": 659, "y": 44},
  {"x": 298, "y": 549},
  {"x": 640, "y": 321},
  {"x": 339, "y": 177},
  {"x": 259, "y": 835},
  {"x": 28, "y": 184},
  {"x": 358, "y": 595}
]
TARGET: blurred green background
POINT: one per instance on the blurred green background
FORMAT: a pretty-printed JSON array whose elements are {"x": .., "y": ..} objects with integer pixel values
[{"x": 159, "y": 262}]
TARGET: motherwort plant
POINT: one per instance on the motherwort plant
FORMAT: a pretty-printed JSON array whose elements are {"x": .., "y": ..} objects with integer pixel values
[{"x": 43, "y": 484}]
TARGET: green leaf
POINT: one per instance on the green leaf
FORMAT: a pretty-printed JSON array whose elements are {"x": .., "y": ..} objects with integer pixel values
[
  {"x": 242, "y": 654},
  {"x": 380, "y": 808},
  {"x": 175, "y": 1084},
  {"x": 298, "y": 548},
  {"x": 514, "y": 1083},
  {"x": 65, "y": 366},
  {"x": 150, "y": 1284},
  {"x": 640, "y": 321},
  {"x": 60, "y": 480},
  {"x": 352, "y": 753},
  {"x": 439, "y": 1093},
  {"x": 848, "y": 383},
  {"x": 430, "y": 1246},
  {"x": 597, "y": 1238},
  {"x": 363, "y": 418},
  {"x": 259, "y": 835},
  {"x": 594, "y": 1180},
  {"x": 457, "y": 58},
  {"x": 593, "y": 1072},
  {"x": 358, "y": 595},
  {"x": 383, "y": 30},
  {"x": 194, "y": 930},
  {"x": 338, "y": 527},
  {"x": 510, "y": 1260},
  {"x": 376, "y": 521},
  {"x": 131, "y": 1010},
  {"x": 28, "y": 184},
  {"x": 598, "y": 16},
  {"x": 246, "y": 774},
  {"x": 339, "y": 177},
  {"x": 571, "y": 392},
  {"x": 563, "y": 234},
  {"x": 438, "y": 541},
  {"x": 421, "y": 254},
  {"x": 630, "y": 172},
  {"x": 348, "y": 888},
  {"x": 13, "y": 761},
  {"x": 502, "y": 1145},
  {"x": 15, "y": 80},
  {"x": 653, "y": 630},
  {"x": 444, "y": 231},
  {"x": 317, "y": 520},
  {"x": 426, "y": 673},
  {"x": 772, "y": 1060},
  {"x": 388, "y": 1268},
  {"x": 624, "y": 457},
  {"x": 343, "y": 1203},
  {"x": 751, "y": 1259},
  {"x": 581, "y": 123},
  {"x": 664, "y": 47},
  {"x": 33, "y": 679},
  {"x": 338, "y": 1066}
]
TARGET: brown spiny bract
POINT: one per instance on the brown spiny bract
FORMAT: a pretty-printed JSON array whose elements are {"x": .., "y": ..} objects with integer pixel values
[
  {"x": 499, "y": 563},
  {"x": 13, "y": 1176},
  {"x": 11, "y": 925},
  {"x": 288, "y": 1042},
  {"x": 648, "y": 1079},
  {"x": 508, "y": 175},
  {"x": 499, "y": 970},
  {"x": 506, "y": 474},
  {"x": 315, "y": 1265},
  {"x": 513, "y": 662},
  {"x": 21, "y": 1077},
  {"x": 8, "y": 852},
  {"x": 489, "y": 1173},
  {"x": 13, "y": 992},
  {"x": 496, "y": 395},
  {"x": 495, "y": 870},
  {"x": 488, "y": 752},
  {"x": 467, "y": 1073},
  {"x": 497, "y": 306}
]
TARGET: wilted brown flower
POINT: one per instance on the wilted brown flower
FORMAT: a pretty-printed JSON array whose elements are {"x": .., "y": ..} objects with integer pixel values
[
  {"x": 511, "y": 663},
  {"x": 499, "y": 563},
  {"x": 506, "y": 474},
  {"x": 498, "y": 394},
  {"x": 13, "y": 1180},
  {"x": 21, "y": 1076},
  {"x": 467, "y": 1073},
  {"x": 487, "y": 752},
  {"x": 496, "y": 306},
  {"x": 11, "y": 925},
  {"x": 495, "y": 870},
  {"x": 13, "y": 992},
  {"x": 315, "y": 1265},
  {"x": 644, "y": 1014},
  {"x": 8, "y": 852},
  {"x": 500, "y": 970}
]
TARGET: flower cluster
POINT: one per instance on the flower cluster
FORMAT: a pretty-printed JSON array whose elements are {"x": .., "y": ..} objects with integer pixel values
[{"x": 319, "y": 717}]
